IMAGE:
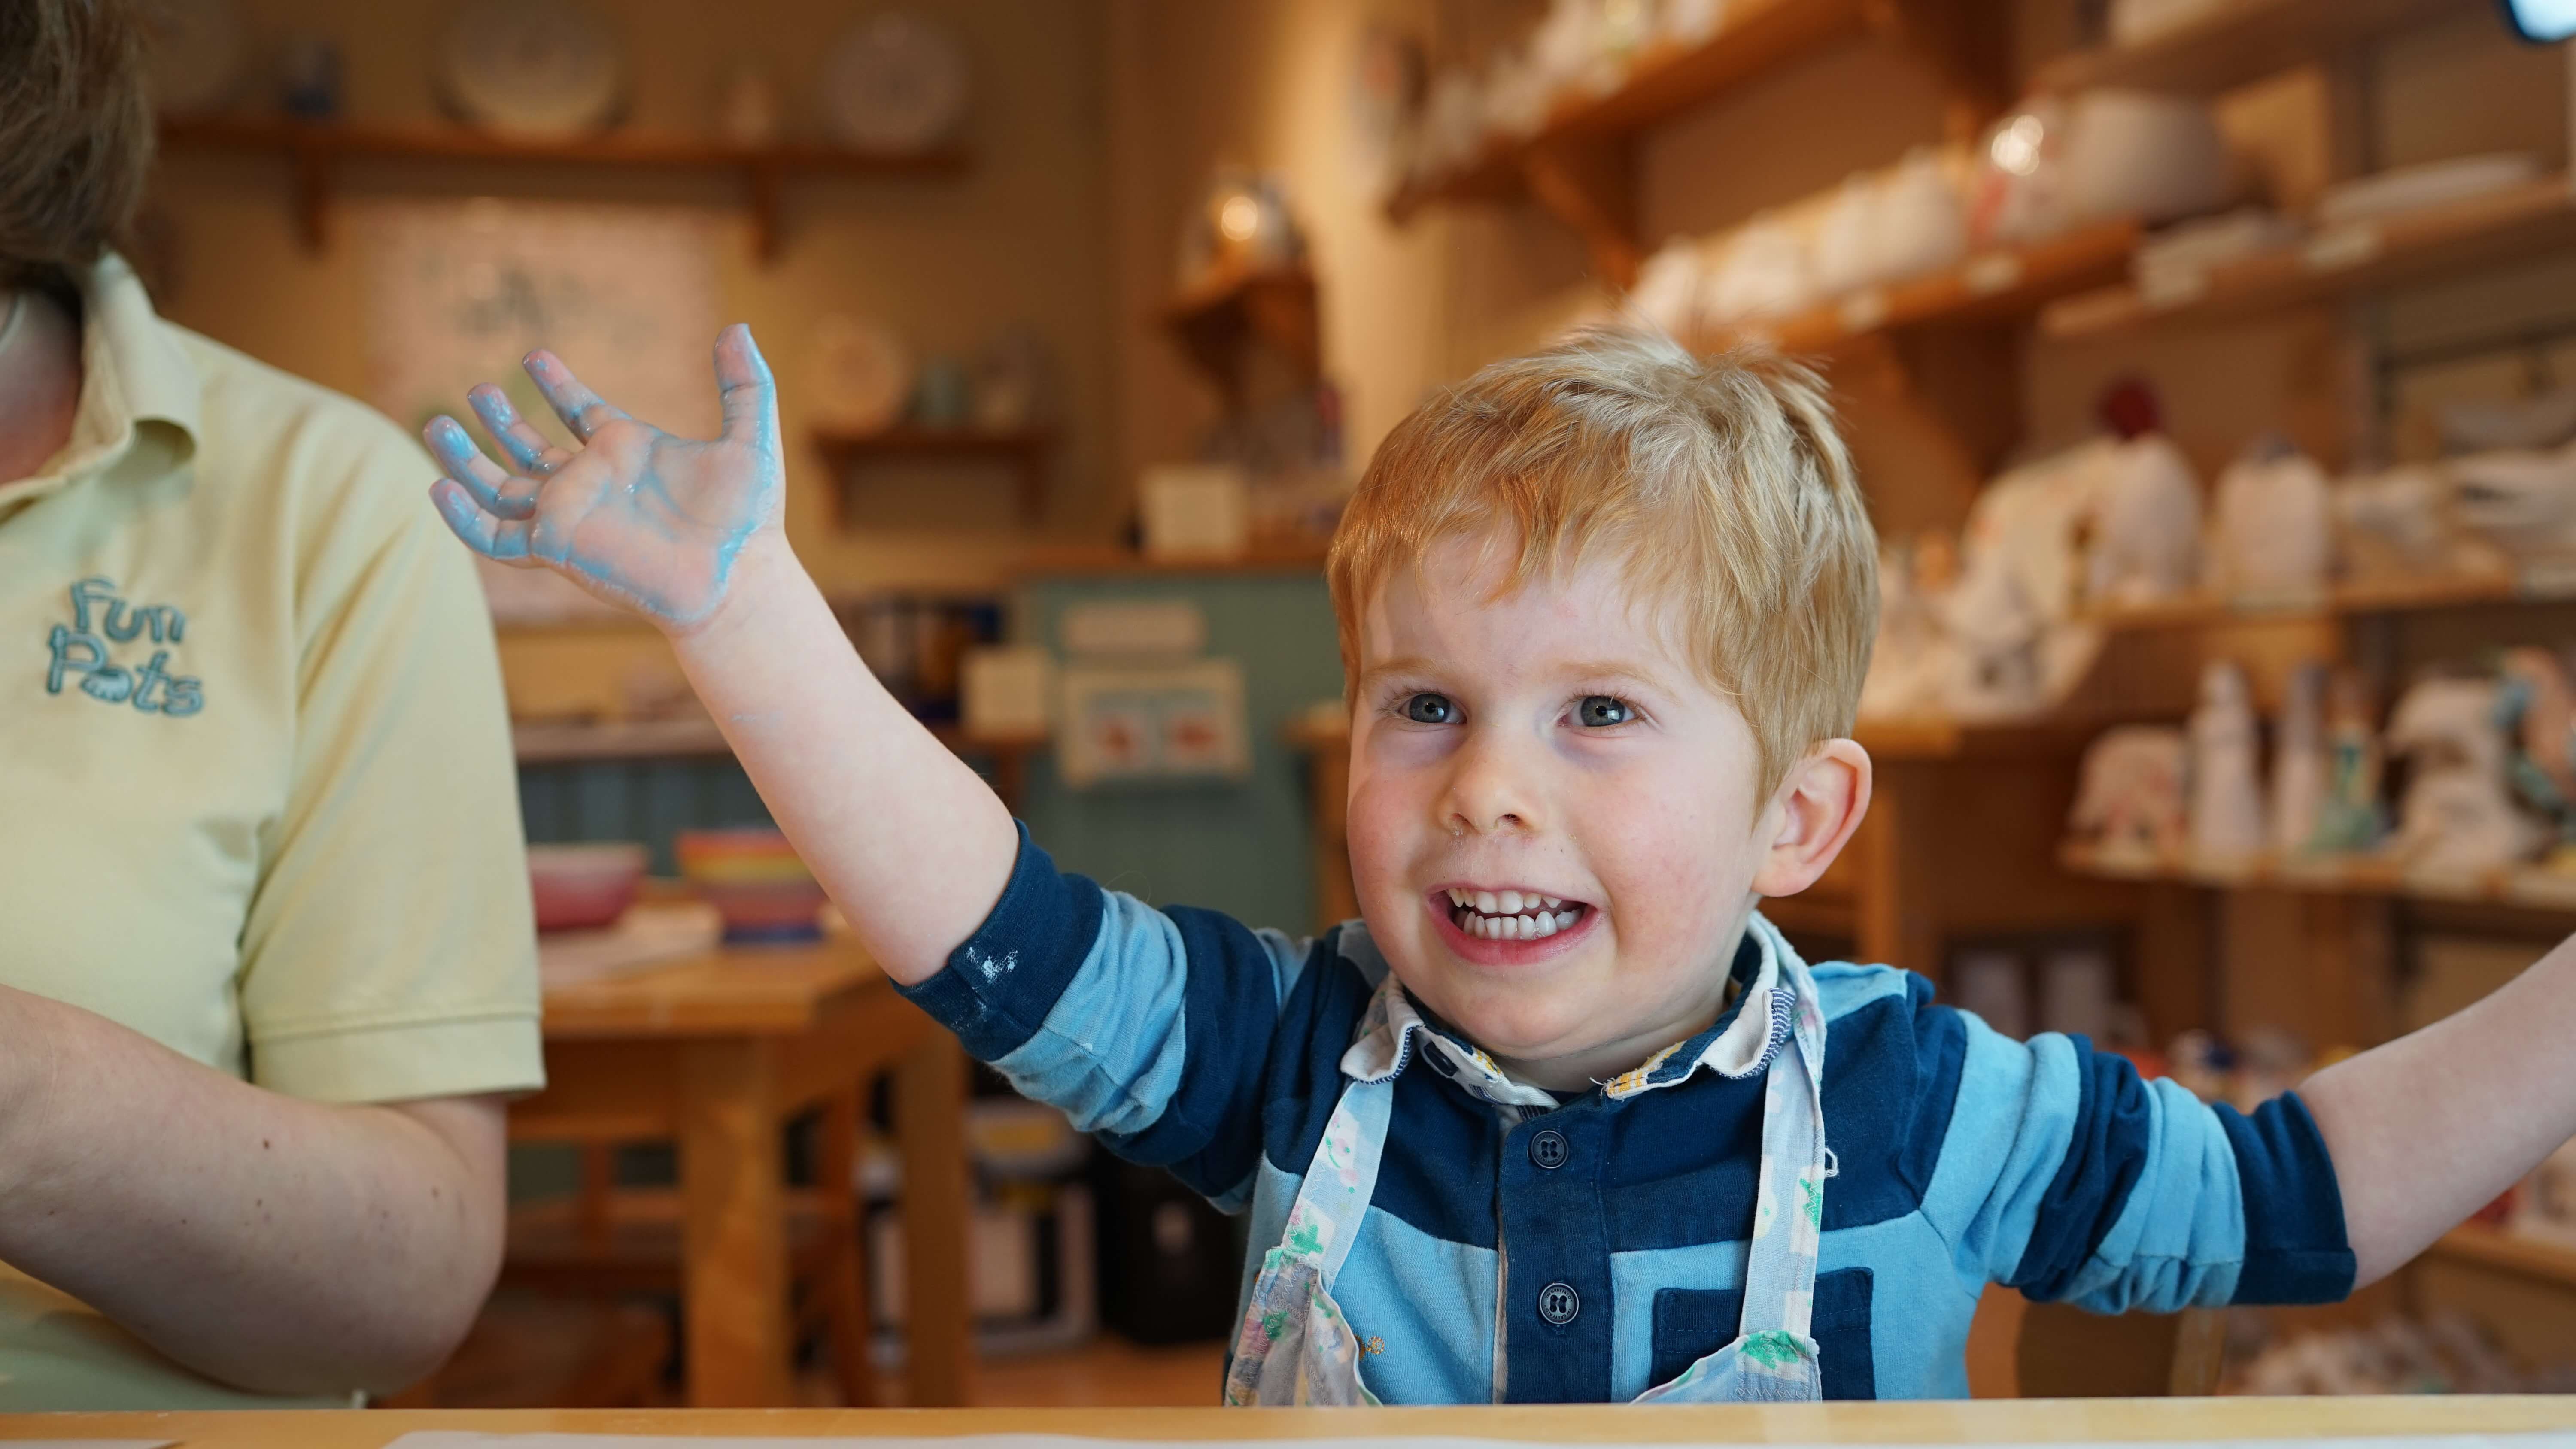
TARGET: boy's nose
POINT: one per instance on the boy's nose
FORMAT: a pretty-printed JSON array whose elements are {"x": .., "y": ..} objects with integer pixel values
[{"x": 1487, "y": 791}]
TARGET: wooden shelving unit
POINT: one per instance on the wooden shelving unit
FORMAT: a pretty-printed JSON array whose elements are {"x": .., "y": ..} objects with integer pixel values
[
  {"x": 2239, "y": 42},
  {"x": 2525, "y": 888},
  {"x": 1026, "y": 452},
  {"x": 2343, "y": 601},
  {"x": 2495, "y": 1248},
  {"x": 317, "y": 150},
  {"x": 1994, "y": 286},
  {"x": 2522, "y": 221},
  {"x": 1578, "y": 165}
]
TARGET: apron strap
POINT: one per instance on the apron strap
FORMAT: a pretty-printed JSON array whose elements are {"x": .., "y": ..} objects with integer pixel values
[
  {"x": 1342, "y": 1178},
  {"x": 1789, "y": 1198}
]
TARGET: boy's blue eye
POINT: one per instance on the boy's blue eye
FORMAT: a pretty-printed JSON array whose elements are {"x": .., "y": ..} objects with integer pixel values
[
  {"x": 1430, "y": 709},
  {"x": 1598, "y": 711}
]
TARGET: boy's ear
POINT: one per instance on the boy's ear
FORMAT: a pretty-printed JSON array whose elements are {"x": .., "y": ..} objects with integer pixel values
[{"x": 1812, "y": 817}]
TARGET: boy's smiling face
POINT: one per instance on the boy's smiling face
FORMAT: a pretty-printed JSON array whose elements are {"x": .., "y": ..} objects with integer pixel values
[{"x": 1556, "y": 743}]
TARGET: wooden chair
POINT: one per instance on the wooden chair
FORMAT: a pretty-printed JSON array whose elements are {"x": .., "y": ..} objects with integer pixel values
[
  {"x": 607, "y": 1241},
  {"x": 2021, "y": 1349},
  {"x": 530, "y": 1352}
]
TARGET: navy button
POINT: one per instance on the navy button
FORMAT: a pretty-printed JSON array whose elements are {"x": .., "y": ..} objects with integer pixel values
[
  {"x": 1548, "y": 1149},
  {"x": 1558, "y": 1303}
]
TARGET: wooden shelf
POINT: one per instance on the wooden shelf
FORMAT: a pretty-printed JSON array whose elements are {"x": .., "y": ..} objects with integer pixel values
[
  {"x": 1025, "y": 451},
  {"x": 2496, "y": 1248},
  {"x": 1948, "y": 739},
  {"x": 1214, "y": 320},
  {"x": 2240, "y": 42},
  {"x": 2522, "y": 887},
  {"x": 2395, "y": 597},
  {"x": 2521, "y": 221},
  {"x": 1303, "y": 556},
  {"x": 1994, "y": 286},
  {"x": 316, "y": 148}
]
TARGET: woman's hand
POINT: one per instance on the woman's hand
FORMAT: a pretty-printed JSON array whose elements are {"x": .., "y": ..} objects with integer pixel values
[{"x": 634, "y": 515}]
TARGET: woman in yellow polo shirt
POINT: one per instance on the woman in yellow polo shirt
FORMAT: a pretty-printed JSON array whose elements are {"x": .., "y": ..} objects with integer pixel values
[{"x": 266, "y": 964}]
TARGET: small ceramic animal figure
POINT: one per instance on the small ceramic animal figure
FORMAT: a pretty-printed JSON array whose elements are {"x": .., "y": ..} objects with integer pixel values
[
  {"x": 2226, "y": 790},
  {"x": 2349, "y": 818},
  {"x": 2129, "y": 807},
  {"x": 2299, "y": 763},
  {"x": 2273, "y": 537},
  {"x": 2458, "y": 815},
  {"x": 2146, "y": 535},
  {"x": 2537, "y": 704}
]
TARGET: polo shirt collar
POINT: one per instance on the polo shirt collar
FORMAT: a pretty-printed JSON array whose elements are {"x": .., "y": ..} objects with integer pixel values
[
  {"x": 1739, "y": 1044},
  {"x": 137, "y": 385}
]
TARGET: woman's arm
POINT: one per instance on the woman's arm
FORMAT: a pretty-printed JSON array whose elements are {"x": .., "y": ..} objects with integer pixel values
[
  {"x": 2430, "y": 1127},
  {"x": 278, "y": 1245}
]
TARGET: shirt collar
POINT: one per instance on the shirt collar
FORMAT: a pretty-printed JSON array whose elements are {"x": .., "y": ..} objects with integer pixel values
[
  {"x": 1740, "y": 1044},
  {"x": 137, "y": 385}
]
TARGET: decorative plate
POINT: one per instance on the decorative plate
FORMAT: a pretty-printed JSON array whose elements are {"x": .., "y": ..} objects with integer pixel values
[
  {"x": 894, "y": 82},
  {"x": 862, "y": 374},
  {"x": 538, "y": 69}
]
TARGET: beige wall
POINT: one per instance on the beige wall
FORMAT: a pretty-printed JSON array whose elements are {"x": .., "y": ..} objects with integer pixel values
[{"x": 1023, "y": 237}]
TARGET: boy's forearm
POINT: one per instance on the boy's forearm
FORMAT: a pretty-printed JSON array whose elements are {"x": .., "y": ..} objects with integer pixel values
[
  {"x": 2429, "y": 1128},
  {"x": 909, "y": 841}
]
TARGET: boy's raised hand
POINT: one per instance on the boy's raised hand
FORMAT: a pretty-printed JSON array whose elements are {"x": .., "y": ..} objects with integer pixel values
[{"x": 636, "y": 516}]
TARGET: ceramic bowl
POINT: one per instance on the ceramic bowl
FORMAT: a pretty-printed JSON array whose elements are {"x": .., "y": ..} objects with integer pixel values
[
  {"x": 755, "y": 881},
  {"x": 583, "y": 887}
]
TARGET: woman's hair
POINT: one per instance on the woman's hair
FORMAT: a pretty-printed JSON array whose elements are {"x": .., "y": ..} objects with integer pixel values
[{"x": 75, "y": 135}]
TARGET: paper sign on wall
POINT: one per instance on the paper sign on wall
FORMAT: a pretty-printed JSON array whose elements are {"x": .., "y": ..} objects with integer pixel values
[{"x": 1158, "y": 722}]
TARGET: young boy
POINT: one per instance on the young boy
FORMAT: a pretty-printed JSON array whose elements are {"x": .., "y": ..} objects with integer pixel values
[{"x": 1561, "y": 1117}]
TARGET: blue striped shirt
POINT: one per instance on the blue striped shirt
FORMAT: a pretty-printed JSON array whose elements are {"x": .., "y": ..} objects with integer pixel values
[{"x": 1187, "y": 1041}]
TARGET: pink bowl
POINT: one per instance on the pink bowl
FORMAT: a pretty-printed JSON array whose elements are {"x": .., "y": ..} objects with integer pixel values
[{"x": 583, "y": 887}]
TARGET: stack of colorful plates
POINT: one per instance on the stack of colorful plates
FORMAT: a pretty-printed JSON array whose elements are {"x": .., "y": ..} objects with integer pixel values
[{"x": 756, "y": 883}]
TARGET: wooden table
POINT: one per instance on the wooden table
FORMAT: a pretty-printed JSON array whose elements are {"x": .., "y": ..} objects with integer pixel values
[
  {"x": 1981, "y": 1421},
  {"x": 714, "y": 1054}
]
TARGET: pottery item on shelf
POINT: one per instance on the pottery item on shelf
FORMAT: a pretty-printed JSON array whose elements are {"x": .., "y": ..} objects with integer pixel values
[
  {"x": 1889, "y": 226},
  {"x": 1243, "y": 224},
  {"x": 756, "y": 882},
  {"x": 748, "y": 112},
  {"x": 1669, "y": 287},
  {"x": 894, "y": 81},
  {"x": 309, "y": 76},
  {"x": 1515, "y": 97},
  {"x": 2099, "y": 156},
  {"x": 1585, "y": 45},
  {"x": 2536, "y": 704},
  {"x": 2523, "y": 501},
  {"x": 2175, "y": 262},
  {"x": 1688, "y": 22},
  {"x": 2226, "y": 814},
  {"x": 2015, "y": 196},
  {"x": 1014, "y": 381},
  {"x": 2350, "y": 818},
  {"x": 944, "y": 395},
  {"x": 1846, "y": 249},
  {"x": 1763, "y": 270},
  {"x": 860, "y": 375},
  {"x": 2273, "y": 537},
  {"x": 585, "y": 886},
  {"x": 2457, "y": 816},
  {"x": 2401, "y": 525},
  {"x": 2403, "y": 189},
  {"x": 2300, "y": 768},
  {"x": 2129, "y": 806},
  {"x": 1453, "y": 123},
  {"x": 2135, "y": 22},
  {"x": 195, "y": 50},
  {"x": 2487, "y": 425},
  {"x": 2146, "y": 536},
  {"x": 533, "y": 69},
  {"x": 1914, "y": 658}
]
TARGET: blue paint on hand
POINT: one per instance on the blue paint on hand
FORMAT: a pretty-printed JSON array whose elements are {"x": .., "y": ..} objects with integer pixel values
[{"x": 634, "y": 515}]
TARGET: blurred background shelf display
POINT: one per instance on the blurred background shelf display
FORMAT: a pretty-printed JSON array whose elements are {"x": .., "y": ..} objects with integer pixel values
[
  {"x": 1024, "y": 452},
  {"x": 2212, "y": 48}
]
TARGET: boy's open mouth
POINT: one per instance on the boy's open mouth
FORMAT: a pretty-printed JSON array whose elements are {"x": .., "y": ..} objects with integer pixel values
[{"x": 1512, "y": 915}]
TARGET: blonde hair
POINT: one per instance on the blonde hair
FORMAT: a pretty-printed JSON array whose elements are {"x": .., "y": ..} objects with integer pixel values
[{"x": 1720, "y": 479}]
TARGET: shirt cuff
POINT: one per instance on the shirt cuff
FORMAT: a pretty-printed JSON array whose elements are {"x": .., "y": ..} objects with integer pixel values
[
  {"x": 2296, "y": 1250},
  {"x": 997, "y": 988},
  {"x": 405, "y": 1061}
]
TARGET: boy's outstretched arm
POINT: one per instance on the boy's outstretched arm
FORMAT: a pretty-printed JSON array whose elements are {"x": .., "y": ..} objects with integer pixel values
[
  {"x": 689, "y": 534},
  {"x": 2430, "y": 1127}
]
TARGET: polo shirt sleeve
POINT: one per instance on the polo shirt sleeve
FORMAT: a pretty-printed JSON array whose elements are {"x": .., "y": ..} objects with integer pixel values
[
  {"x": 390, "y": 948},
  {"x": 1149, "y": 1027},
  {"x": 2066, "y": 1175}
]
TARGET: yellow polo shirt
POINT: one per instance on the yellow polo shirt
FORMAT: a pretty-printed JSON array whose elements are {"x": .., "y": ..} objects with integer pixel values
[{"x": 256, "y": 792}]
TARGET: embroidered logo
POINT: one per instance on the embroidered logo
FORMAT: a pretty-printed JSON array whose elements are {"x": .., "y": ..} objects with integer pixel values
[{"x": 82, "y": 649}]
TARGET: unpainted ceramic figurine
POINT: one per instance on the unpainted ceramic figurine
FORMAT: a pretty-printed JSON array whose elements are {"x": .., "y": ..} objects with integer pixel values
[
  {"x": 2226, "y": 814},
  {"x": 2350, "y": 818},
  {"x": 2524, "y": 502},
  {"x": 1914, "y": 658},
  {"x": 2146, "y": 536},
  {"x": 2129, "y": 807},
  {"x": 2458, "y": 816},
  {"x": 2299, "y": 763},
  {"x": 2273, "y": 536},
  {"x": 2401, "y": 525}
]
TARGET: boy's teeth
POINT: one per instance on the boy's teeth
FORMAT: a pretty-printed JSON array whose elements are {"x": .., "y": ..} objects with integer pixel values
[
  {"x": 1564, "y": 919},
  {"x": 1486, "y": 903},
  {"x": 1511, "y": 902},
  {"x": 1457, "y": 897},
  {"x": 1542, "y": 926}
]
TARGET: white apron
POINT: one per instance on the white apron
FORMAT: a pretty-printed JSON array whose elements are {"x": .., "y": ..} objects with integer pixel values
[{"x": 1295, "y": 1347}]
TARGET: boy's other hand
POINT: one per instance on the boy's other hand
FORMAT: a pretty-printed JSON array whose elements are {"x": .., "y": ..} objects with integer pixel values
[{"x": 636, "y": 516}]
